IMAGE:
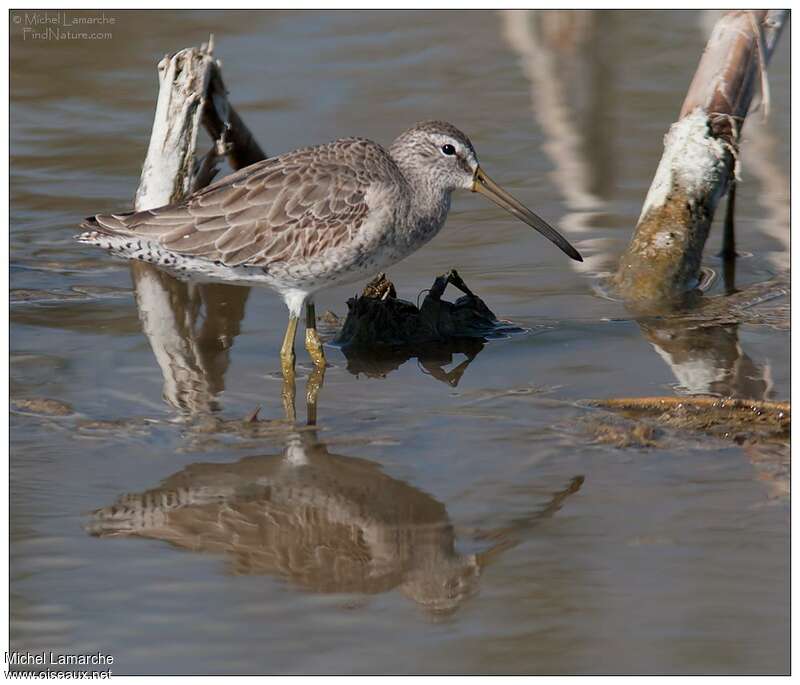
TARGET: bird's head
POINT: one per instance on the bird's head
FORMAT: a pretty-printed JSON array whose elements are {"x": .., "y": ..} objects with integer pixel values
[
  {"x": 439, "y": 153},
  {"x": 443, "y": 157}
]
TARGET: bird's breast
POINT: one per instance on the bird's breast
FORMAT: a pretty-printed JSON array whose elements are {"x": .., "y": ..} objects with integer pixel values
[{"x": 425, "y": 221}]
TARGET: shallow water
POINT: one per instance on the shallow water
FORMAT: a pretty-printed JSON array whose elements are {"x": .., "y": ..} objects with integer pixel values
[{"x": 426, "y": 526}]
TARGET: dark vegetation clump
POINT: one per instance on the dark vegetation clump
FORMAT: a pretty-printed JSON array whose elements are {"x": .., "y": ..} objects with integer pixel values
[{"x": 378, "y": 317}]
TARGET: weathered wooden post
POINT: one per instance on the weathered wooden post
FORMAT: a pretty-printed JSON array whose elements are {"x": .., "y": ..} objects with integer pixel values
[
  {"x": 191, "y": 95},
  {"x": 700, "y": 161}
]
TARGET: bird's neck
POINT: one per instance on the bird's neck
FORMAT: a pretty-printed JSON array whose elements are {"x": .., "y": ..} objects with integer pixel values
[
  {"x": 429, "y": 208},
  {"x": 429, "y": 202}
]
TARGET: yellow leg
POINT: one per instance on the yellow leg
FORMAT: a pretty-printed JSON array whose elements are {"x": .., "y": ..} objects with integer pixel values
[
  {"x": 287, "y": 349},
  {"x": 287, "y": 366},
  {"x": 314, "y": 347},
  {"x": 313, "y": 342}
]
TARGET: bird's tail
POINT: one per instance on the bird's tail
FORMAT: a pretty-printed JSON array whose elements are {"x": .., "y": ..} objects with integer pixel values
[
  {"x": 104, "y": 225},
  {"x": 113, "y": 232}
]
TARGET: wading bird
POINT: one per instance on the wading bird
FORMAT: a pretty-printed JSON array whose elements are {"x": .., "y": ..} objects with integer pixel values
[{"x": 313, "y": 218}]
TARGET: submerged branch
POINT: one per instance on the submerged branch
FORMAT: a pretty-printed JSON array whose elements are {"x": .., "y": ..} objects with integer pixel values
[
  {"x": 743, "y": 420},
  {"x": 758, "y": 407}
]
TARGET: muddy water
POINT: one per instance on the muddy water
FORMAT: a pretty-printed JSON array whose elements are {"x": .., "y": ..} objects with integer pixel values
[{"x": 449, "y": 514}]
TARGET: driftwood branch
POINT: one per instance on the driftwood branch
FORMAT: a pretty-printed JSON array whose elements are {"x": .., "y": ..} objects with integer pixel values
[{"x": 700, "y": 160}]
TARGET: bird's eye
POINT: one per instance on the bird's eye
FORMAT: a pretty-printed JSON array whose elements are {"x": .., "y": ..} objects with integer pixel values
[{"x": 448, "y": 149}]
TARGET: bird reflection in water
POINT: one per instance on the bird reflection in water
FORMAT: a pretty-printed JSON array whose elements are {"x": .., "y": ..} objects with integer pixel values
[{"x": 324, "y": 522}]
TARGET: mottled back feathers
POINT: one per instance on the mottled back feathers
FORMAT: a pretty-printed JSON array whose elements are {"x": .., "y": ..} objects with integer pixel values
[{"x": 285, "y": 208}]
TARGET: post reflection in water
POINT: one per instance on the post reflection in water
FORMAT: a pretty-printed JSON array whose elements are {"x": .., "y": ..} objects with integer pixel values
[
  {"x": 708, "y": 359},
  {"x": 562, "y": 54},
  {"x": 191, "y": 328},
  {"x": 325, "y": 522}
]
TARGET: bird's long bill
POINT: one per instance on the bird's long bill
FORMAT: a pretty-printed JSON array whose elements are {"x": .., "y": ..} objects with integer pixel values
[{"x": 486, "y": 186}]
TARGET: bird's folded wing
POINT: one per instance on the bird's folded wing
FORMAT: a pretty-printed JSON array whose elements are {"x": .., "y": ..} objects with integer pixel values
[{"x": 290, "y": 207}]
